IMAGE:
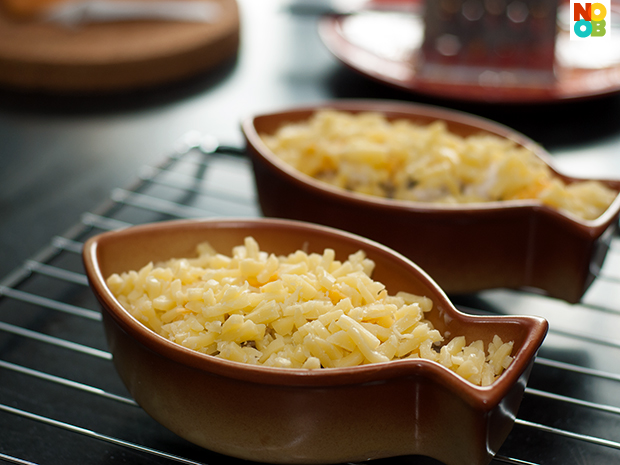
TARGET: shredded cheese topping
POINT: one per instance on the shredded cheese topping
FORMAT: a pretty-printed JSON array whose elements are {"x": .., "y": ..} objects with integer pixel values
[
  {"x": 298, "y": 311},
  {"x": 368, "y": 154}
]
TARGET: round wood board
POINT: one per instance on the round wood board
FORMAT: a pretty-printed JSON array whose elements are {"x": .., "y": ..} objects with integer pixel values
[{"x": 113, "y": 56}]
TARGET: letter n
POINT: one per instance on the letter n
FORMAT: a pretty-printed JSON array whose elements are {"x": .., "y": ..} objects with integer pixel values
[{"x": 581, "y": 12}]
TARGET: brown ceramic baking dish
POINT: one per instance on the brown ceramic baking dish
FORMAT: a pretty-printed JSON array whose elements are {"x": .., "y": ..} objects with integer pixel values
[
  {"x": 465, "y": 248},
  {"x": 284, "y": 415}
]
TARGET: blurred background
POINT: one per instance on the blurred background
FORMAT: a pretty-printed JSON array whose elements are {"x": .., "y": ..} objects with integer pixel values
[{"x": 63, "y": 152}]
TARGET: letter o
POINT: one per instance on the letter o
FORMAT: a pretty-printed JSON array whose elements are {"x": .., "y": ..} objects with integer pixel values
[
  {"x": 602, "y": 11},
  {"x": 586, "y": 32}
]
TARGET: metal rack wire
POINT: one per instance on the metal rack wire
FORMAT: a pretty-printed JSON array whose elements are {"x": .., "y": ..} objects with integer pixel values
[{"x": 62, "y": 402}]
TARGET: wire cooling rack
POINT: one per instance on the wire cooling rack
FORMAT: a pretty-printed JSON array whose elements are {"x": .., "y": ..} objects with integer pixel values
[{"x": 61, "y": 401}]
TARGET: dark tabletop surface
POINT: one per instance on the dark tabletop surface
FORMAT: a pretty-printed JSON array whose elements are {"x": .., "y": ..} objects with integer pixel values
[{"x": 62, "y": 154}]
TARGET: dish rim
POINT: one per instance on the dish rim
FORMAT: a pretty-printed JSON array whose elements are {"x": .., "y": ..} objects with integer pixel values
[
  {"x": 407, "y": 109},
  {"x": 484, "y": 397}
]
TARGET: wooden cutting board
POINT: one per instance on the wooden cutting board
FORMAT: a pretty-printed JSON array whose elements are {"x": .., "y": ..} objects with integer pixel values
[{"x": 113, "y": 56}]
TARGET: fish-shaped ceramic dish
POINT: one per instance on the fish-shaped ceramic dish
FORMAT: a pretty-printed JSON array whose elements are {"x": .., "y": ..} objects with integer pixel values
[
  {"x": 286, "y": 415},
  {"x": 464, "y": 247}
]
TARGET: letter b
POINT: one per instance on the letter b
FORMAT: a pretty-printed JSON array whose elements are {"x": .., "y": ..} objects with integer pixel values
[{"x": 598, "y": 28}]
